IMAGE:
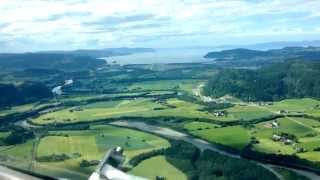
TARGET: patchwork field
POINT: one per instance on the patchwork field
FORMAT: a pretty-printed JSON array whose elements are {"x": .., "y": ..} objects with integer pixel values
[
  {"x": 17, "y": 155},
  {"x": 308, "y": 137},
  {"x": 16, "y": 109},
  {"x": 182, "y": 85},
  {"x": 88, "y": 145},
  {"x": 195, "y": 126},
  {"x": 304, "y": 105},
  {"x": 147, "y": 107},
  {"x": 234, "y": 136},
  {"x": 158, "y": 166}
]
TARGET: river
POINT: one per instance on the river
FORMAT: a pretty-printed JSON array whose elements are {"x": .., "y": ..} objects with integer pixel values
[{"x": 203, "y": 145}]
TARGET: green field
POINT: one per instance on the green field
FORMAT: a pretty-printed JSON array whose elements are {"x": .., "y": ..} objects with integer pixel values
[
  {"x": 234, "y": 136},
  {"x": 147, "y": 107},
  {"x": 19, "y": 156},
  {"x": 16, "y": 109},
  {"x": 289, "y": 175},
  {"x": 89, "y": 144},
  {"x": 182, "y": 85},
  {"x": 304, "y": 105},
  {"x": 195, "y": 126},
  {"x": 308, "y": 137},
  {"x": 158, "y": 166},
  {"x": 239, "y": 112}
]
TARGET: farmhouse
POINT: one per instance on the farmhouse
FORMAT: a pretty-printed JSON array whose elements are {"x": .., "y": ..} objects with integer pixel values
[
  {"x": 76, "y": 109},
  {"x": 274, "y": 124},
  {"x": 288, "y": 141},
  {"x": 276, "y": 137},
  {"x": 219, "y": 113},
  {"x": 283, "y": 139},
  {"x": 283, "y": 111},
  {"x": 265, "y": 103}
]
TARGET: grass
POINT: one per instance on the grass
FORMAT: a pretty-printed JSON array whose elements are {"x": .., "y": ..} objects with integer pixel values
[
  {"x": 308, "y": 137},
  {"x": 4, "y": 134},
  {"x": 194, "y": 126},
  {"x": 158, "y": 166},
  {"x": 234, "y": 136},
  {"x": 311, "y": 156},
  {"x": 271, "y": 147},
  {"x": 246, "y": 113},
  {"x": 95, "y": 111},
  {"x": 146, "y": 107},
  {"x": 309, "y": 123},
  {"x": 92, "y": 145},
  {"x": 19, "y": 156},
  {"x": 310, "y": 143},
  {"x": 289, "y": 175},
  {"x": 304, "y": 105},
  {"x": 154, "y": 93},
  {"x": 16, "y": 109},
  {"x": 182, "y": 85},
  {"x": 286, "y": 125}
]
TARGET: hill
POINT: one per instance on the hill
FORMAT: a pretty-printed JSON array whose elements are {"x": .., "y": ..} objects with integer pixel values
[
  {"x": 48, "y": 61},
  {"x": 23, "y": 93},
  {"x": 108, "y": 52},
  {"x": 291, "y": 79},
  {"x": 63, "y": 60},
  {"x": 306, "y": 53}
]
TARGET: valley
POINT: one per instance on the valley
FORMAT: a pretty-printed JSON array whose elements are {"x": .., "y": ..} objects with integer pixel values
[{"x": 152, "y": 111}]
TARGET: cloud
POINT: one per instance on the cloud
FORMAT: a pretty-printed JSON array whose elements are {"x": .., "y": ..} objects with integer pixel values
[
  {"x": 69, "y": 24},
  {"x": 55, "y": 17},
  {"x": 3, "y": 25},
  {"x": 111, "y": 22}
]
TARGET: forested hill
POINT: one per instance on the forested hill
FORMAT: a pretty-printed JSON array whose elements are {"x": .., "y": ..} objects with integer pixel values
[
  {"x": 291, "y": 79},
  {"x": 23, "y": 93},
  {"x": 48, "y": 61},
  {"x": 98, "y": 53},
  {"x": 64, "y": 60},
  {"x": 306, "y": 53}
]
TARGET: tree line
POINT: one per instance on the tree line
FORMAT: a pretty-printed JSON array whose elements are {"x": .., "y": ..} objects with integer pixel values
[
  {"x": 290, "y": 79},
  {"x": 12, "y": 94}
]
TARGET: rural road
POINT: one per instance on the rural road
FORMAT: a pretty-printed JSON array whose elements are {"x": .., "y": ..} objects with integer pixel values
[{"x": 202, "y": 145}]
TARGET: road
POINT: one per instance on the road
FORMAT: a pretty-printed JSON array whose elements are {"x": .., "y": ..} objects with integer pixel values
[{"x": 202, "y": 145}]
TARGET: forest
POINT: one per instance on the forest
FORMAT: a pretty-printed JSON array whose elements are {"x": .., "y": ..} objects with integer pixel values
[{"x": 291, "y": 79}]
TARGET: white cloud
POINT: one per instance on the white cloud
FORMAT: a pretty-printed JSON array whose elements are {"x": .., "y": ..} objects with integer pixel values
[{"x": 105, "y": 23}]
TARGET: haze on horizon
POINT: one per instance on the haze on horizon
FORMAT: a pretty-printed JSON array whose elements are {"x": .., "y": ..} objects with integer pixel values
[{"x": 36, "y": 25}]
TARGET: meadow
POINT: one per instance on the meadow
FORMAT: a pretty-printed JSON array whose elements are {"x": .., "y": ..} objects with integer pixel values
[
  {"x": 17, "y": 109},
  {"x": 158, "y": 166},
  {"x": 233, "y": 136},
  {"x": 142, "y": 93},
  {"x": 165, "y": 85},
  {"x": 147, "y": 107},
  {"x": 294, "y": 106},
  {"x": 308, "y": 138},
  {"x": 81, "y": 145}
]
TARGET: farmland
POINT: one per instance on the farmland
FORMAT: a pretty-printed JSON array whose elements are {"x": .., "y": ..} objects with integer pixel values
[
  {"x": 75, "y": 128},
  {"x": 98, "y": 139},
  {"x": 147, "y": 107},
  {"x": 234, "y": 136},
  {"x": 158, "y": 166},
  {"x": 308, "y": 138}
]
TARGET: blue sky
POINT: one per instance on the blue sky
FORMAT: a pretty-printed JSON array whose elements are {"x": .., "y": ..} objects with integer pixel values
[{"x": 72, "y": 24}]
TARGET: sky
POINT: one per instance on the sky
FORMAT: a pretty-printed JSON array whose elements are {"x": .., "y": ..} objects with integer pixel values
[{"x": 36, "y": 25}]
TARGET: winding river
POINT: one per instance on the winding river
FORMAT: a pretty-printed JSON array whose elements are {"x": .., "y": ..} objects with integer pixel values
[
  {"x": 199, "y": 143},
  {"x": 202, "y": 145}
]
